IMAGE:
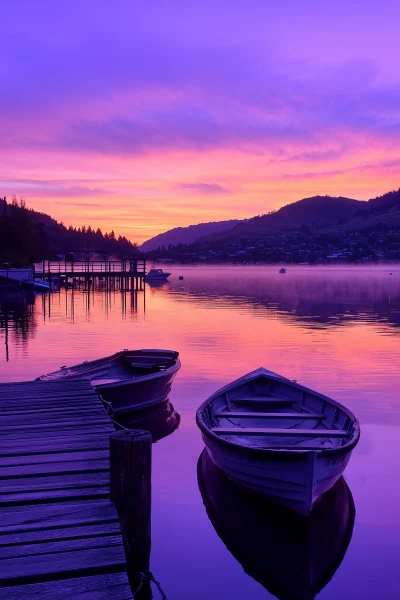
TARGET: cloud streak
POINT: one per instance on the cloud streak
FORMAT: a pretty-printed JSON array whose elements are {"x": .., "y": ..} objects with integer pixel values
[{"x": 204, "y": 188}]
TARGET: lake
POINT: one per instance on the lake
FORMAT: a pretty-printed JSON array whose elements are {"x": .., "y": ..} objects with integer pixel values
[{"x": 336, "y": 330}]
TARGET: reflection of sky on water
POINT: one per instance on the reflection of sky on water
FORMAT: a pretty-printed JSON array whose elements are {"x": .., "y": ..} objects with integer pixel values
[{"x": 335, "y": 331}]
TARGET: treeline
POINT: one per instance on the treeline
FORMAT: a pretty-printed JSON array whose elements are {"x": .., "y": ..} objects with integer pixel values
[
  {"x": 27, "y": 236},
  {"x": 22, "y": 240}
]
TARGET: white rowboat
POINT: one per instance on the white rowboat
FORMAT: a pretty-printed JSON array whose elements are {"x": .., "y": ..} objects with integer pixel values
[{"x": 275, "y": 437}]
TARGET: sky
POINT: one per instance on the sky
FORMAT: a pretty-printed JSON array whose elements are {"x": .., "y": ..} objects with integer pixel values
[{"x": 144, "y": 115}]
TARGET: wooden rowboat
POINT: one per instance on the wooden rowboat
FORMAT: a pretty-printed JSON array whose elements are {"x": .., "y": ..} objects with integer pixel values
[
  {"x": 275, "y": 437},
  {"x": 292, "y": 556},
  {"x": 129, "y": 380}
]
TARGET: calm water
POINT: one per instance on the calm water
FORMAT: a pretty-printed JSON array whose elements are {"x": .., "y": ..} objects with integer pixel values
[{"x": 337, "y": 331}]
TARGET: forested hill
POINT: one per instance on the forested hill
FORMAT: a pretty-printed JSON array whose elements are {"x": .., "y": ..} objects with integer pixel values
[
  {"x": 27, "y": 236},
  {"x": 186, "y": 235}
]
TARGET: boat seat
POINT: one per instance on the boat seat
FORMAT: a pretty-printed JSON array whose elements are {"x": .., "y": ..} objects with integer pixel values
[
  {"x": 264, "y": 415},
  {"x": 264, "y": 399},
  {"x": 143, "y": 365},
  {"x": 337, "y": 433},
  {"x": 150, "y": 357}
]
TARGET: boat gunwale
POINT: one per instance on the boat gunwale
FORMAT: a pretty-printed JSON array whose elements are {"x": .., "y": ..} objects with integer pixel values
[
  {"x": 119, "y": 383},
  {"x": 326, "y": 452}
]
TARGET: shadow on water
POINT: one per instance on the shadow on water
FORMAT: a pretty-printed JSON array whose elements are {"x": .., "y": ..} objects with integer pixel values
[
  {"x": 160, "y": 421},
  {"x": 17, "y": 317},
  {"x": 293, "y": 557}
]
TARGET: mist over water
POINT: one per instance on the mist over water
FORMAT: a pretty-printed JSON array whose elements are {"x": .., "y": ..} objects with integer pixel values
[{"x": 336, "y": 330}]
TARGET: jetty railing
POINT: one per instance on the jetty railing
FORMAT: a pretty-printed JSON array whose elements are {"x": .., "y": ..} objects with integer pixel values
[{"x": 123, "y": 267}]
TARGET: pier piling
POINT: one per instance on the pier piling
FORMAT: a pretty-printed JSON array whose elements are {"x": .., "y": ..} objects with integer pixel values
[{"x": 130, "y": 491}]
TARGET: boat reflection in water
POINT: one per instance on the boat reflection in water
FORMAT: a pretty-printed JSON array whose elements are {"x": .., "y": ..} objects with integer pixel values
[
  {"x": 160, "y": 421},
  {"x": 293, "y": 557}
]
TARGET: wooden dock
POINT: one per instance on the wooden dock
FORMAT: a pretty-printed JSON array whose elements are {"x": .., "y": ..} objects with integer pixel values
[{"x": 59, "y": 533}]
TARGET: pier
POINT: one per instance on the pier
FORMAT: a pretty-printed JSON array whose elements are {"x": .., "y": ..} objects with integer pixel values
[
  {"x": 60, "y": 534},
  {"x": 129, "y": 271}
]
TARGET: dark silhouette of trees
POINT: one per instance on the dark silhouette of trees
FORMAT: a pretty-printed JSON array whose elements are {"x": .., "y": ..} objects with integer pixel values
[{"x": 27, "y": 236}]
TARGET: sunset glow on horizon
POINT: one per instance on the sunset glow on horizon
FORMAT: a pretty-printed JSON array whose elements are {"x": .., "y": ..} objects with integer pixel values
[{"x": 141, "y": 117}]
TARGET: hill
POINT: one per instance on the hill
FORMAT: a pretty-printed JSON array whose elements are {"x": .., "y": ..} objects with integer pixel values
[
  {"x": 186, "y": 235},
  {"x": 313, "y": 213}
]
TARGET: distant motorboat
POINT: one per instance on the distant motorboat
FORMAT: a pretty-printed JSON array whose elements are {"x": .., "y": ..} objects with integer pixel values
[
  {"x": 283, "y": 270},
  {"x": 129, "y": 380},
  {"x": 293, "y": 557},
  {"x": 277, "y": 438},
  {"x": 156, "y": 275}
]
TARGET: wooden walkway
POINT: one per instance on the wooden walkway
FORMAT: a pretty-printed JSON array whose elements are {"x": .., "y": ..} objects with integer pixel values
[{"x": 59, "y": 533}]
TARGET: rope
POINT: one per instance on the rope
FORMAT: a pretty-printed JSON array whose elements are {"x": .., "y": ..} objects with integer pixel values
[
  {"x": 149, "y": 575},
  {"x": 119, "y": 425},
  {"x": 110, "y": 412}
]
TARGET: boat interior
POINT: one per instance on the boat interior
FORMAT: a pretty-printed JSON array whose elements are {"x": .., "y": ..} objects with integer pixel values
[
  {"x": 124, "y": 365},
  {"x": 272, "y": 412}
]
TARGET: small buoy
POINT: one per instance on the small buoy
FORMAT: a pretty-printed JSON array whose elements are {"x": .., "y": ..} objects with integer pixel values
[{"x": 181, "y": 277}]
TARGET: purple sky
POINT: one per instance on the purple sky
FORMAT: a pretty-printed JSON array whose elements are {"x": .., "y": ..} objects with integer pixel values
[{"x": 145, "y": 115}]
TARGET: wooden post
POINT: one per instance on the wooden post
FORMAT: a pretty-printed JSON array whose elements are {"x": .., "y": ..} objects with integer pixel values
[{"x": 130, "y": 490}]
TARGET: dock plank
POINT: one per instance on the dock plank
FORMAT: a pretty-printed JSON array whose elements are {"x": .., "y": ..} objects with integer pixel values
[
  {"x": 59, "y": 533},
  {"x": 94, "y": 587},
  {"x": 78, "y": 466},
  {"x": 53, "y": 482},
  {"x": 34, "y": 497},
  {"x": 62, "y": 565}
]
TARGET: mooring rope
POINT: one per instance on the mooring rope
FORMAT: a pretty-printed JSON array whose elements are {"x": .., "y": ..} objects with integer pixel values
[{"x": 149, "y": 575}]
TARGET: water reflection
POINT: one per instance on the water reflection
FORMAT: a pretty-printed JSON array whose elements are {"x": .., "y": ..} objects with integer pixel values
[
  {"x": 291, "y": 556},
  {"x": 309, "y": 297},
  {"x": 17, "y": 317},
  {"x": 160, "y": 421}
]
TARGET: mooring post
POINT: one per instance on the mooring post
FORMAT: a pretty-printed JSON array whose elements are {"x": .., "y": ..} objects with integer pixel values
[{"x": 130, "y": 490}]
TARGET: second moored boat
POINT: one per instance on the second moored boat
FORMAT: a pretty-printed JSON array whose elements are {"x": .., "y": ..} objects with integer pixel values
[
  {"x": 129, "y": 380},
  {"x": 275, "y": 437}
]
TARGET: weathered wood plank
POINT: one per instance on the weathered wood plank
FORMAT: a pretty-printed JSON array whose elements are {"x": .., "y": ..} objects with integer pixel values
[
  {"x": 69, "y": 431},
  {"x": 77, "y": 421},
  {"x": 55, "y": 547},
  {"x": 60, "y": 534},
  {"x": 61, "y": 514},
  {"x": 73, "y": 384},
  {"x": 95, "y": 587},
  {"x": 44, "y": 446},
  {"x": 33, "y": 418},
  {"x": 53, "y": 406},
  {"x": 62, "y": 564},
  {"x": 78, "y": 466},
  {"x": 35, "y": 497},
  {"x": 54, "y": 482},
  {"x": 37, "y": 459},
  {"x": 28, "y": 397}
]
